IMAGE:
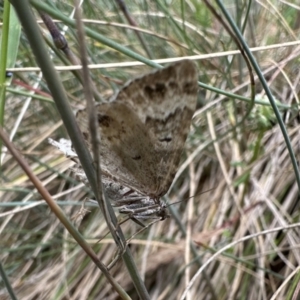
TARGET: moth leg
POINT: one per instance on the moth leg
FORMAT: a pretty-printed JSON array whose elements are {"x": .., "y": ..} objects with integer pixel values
[
  {"x": 119, "y": 254},
  {"x": 127, "y": 200},
  {"x": 141, "y": 230},
  {"x": 128, "y": 193},
  {"x": 137, "y": 222},
  {"x": 116, "y": 258}
]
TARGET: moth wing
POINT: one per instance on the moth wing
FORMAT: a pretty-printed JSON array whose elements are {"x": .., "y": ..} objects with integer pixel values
[{"x": 144, "y": 127}]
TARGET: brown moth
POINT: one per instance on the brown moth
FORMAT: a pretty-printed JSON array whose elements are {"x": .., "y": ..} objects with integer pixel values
[{"x": 143, "y": 129}]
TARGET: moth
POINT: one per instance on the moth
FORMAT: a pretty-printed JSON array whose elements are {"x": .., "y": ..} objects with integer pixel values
[{"x": 143, "y": 129}]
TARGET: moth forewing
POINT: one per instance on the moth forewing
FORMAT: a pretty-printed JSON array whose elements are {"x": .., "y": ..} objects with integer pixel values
[{"x": 143, "y": 129}]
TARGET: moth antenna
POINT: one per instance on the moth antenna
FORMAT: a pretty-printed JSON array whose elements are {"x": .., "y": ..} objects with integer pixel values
[{"x": 168, "y": 205}]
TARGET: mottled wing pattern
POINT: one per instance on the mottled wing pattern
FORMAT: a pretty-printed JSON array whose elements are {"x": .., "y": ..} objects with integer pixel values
[
  {"x": 127, "y": 155},
  {"x": 144, "y": 127}
]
